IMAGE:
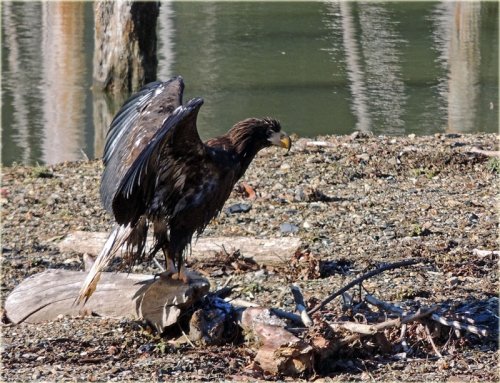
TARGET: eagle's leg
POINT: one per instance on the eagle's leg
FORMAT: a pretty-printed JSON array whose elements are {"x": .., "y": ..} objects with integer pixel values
[
  {"x": 162, "y": 242},
  {"x": 169, "y": 262},
  {"x": 181, "y": 275},
  {"x": 171, "y": 271}
]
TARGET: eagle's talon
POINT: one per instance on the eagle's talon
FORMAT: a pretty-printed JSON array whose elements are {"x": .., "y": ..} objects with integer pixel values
[
  {"x": 181, "y": 276},
  {"x": 165, "y": 275}
]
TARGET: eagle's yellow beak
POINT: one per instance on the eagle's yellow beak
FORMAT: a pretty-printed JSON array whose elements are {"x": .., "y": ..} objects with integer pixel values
[
  {"x": 285, "y": 141},
  {"x": 281, "y": 139}
]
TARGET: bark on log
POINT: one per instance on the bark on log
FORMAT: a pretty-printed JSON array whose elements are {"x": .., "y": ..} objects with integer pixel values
[
  {"x": 47, "y": 295},
  {"x": 270, "y": 251},
  {"x": 125, "y": 45}
]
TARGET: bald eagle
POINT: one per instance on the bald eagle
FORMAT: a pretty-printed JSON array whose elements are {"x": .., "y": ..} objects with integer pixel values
[{"x": 159, "y": 175}]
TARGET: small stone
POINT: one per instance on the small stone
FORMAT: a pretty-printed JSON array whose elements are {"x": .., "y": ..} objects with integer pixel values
[
  {"x": 260, "y": 274},
  {"x": 287, "y": 227},
  {"x": 113, "y": 350},
  {"x": 364, "y": 157},
  {"x": 238, "y": 208},
  {"x": 411, "y": 136},
  {"x": 300, "y": 195}
]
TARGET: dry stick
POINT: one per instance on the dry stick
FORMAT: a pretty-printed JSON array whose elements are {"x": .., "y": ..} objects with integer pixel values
[
  {"x": 364, "y": 329},
  {"x": 488, "y": 153},
  {"x": 370, "y": 274},
  {"x": 241, "y": 302},
  {"x": 402, "y": 337},
  {"x": 429, "y": 338},
  {"x": 383, "y": 305},
  {"x": 301, "y": 306}
]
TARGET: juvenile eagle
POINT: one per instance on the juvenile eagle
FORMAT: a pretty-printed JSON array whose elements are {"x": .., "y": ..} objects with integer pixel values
[{"x": 159, "y": 174}]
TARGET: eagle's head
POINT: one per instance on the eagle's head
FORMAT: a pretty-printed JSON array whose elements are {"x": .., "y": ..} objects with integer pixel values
[{"x": 254, "y": 134}]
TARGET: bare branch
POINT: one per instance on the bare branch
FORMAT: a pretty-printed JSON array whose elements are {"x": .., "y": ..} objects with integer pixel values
[{"x": 370, "y": 274}]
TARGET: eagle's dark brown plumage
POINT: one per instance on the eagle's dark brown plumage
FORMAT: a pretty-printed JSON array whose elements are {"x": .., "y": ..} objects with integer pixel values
[{"x": 158, "y": 173}]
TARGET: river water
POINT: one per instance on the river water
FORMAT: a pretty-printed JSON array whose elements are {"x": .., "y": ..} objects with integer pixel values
[{"x": 320, "y": 67}]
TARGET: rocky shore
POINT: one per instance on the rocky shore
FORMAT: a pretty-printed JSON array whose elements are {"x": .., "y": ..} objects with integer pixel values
[{"x": 354, "y": 201}]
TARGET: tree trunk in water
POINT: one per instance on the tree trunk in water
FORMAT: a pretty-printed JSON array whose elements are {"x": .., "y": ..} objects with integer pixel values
[{"x": 125, "y": 45}]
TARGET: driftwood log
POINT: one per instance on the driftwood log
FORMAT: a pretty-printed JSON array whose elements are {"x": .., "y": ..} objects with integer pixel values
[
  {"x": 47, "y": 295},
  {"x": 265, "y": 251}
]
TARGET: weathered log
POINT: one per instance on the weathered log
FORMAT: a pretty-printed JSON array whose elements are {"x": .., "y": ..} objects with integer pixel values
[
  {"x": 266, "y": 251},
  {"x": 47, "y": 295}
]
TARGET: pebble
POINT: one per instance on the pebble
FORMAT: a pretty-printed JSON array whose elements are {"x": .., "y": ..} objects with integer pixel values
[
  {"x": 238, "y": 208},
  {"x": 287, "y": 227}
]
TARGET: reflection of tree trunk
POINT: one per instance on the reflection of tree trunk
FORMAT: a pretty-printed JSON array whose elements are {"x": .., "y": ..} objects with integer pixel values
[
  {"x": 124, "y": 57},
  {"x": 104, "y": 109},
  {"x": 63, "y": 72},
  {"x": 354, "y": 70},
  {"x": 19, "y": 99},
  {"x": 166, "y": 33},
  {"x": 464, "y": 60},
  {"x": 125, "y": 45},
  {"x": 381, "y": 47}
]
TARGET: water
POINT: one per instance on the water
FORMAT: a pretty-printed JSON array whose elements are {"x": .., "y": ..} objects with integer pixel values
[{"x": 320, "y": 67}]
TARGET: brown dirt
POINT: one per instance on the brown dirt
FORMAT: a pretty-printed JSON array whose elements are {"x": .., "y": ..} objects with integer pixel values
[{"x": 356, "y": 203}]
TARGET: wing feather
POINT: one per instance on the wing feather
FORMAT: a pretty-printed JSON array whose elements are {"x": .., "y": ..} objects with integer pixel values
[
  {"x": 115, "y": 241},
  {"x": 167, "y": 153},
  {"x": 133, "y": 127}
]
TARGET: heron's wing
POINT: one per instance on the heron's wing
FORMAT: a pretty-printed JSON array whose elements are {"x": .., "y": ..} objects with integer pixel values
[
  {"x": 142, "y": 115},
  {"x": 156, "y": 179}
]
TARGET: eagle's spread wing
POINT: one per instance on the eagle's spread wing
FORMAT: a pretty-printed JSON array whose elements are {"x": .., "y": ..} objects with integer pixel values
[
  {"x": 160, "y": 166},
  {"x": 149, "y": 141},
  {"x": 133, "y": 127}
]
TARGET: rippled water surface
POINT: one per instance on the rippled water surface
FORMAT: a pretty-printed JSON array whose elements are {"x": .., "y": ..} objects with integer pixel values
[{"x": 320, "y": 67}]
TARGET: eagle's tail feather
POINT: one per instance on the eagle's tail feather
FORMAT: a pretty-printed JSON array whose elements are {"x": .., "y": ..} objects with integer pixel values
[{"x": 116, "y": 239}]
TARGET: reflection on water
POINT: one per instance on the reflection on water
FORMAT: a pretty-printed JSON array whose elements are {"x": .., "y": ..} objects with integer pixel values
[
  {"x": 63, "y": 79},
  {"x": 464, "y": 61},
  {"x": 321, "y": 68}
]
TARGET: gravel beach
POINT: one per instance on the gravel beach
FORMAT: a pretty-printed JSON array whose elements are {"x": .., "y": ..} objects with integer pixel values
[{"x": 354, "y": 201}]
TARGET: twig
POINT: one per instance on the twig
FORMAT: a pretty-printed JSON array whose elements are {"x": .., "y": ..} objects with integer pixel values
[
  {"x": 429, "y": 338},
  {"x": 319, "y": 143},
  {"x": 370, "y": 274},
  {"x": 383, "y": 305},
  {"x": 363, "y": 330},
  {"x": 158, "y": 264},
  {"x": 241, "y": 302},
  {"x": 301, "y": 306},
  {"x": 186, "y": 337},
  {"x": 402, "y": 337},
  {"x": 488, "y": 153},
  {"x": 229, "y": 279}
]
